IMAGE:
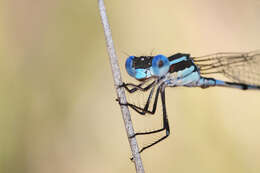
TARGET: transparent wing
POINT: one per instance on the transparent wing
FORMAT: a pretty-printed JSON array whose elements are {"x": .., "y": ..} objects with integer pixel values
[{"x": 238, "y": 67}]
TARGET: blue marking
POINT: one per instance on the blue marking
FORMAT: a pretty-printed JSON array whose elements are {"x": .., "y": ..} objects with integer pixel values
[
  {"x": 178, "y": 60},
  {"x": 142, "y": 73},
  {"x": 129, "y": 66},
  {"x": 193, "y": 77},
  {"x": 185, "y": 72},
  {"x": 220, "y": 82}
]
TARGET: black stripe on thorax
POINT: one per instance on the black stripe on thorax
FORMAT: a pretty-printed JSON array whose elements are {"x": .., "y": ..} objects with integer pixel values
[
  {"x": 182, "y": 64},
  {"x": 178, "y": 55}
]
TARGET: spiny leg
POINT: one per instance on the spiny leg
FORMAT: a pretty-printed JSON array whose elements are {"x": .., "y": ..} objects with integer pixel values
[
  {"x": 165, "y": 123},
  {"x": 145, "y": 110},
  {"x": 137, "y": 87}
]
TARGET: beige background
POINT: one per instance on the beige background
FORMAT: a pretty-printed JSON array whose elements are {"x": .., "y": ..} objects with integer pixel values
[{"x": 57, "y": 102}]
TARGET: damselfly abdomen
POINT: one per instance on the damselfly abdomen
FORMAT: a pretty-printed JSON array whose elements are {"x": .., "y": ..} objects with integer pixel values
[{"x": 155, "y": 73}]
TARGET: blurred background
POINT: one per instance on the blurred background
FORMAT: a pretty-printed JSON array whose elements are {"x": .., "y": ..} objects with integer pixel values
[{"x": 58, "y": 112}]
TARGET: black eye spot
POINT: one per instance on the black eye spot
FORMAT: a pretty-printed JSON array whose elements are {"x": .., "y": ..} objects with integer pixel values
[{"x": 160, "y": 64}]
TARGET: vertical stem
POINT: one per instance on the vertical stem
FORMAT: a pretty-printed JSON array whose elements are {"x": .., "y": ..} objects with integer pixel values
[{"x": 120, "y": 91}]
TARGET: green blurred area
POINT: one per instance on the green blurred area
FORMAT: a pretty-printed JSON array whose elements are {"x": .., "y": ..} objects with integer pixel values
[{"x": 57, "y": 99}]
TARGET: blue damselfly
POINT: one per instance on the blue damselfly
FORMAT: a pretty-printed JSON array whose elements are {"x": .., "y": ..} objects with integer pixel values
[{"x": 155, "y": 73}]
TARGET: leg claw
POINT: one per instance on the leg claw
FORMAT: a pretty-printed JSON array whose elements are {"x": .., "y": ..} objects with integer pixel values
[
  {"x": 124, "y": 104},
  {"x": 132, "y": 136},
  {"x": 122, "y": 85}
]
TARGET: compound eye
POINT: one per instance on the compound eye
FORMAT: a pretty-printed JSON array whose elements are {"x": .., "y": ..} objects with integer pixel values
[
  {"x": 129, "y": 66},
  {"x": 160, "y": 65}
]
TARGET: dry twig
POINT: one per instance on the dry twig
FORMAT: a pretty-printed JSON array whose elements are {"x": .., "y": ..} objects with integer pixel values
[{"x": 120, "y": 91}]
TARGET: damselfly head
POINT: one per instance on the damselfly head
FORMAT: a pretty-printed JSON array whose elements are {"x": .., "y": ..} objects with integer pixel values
[{"x": 144, "y": 67}]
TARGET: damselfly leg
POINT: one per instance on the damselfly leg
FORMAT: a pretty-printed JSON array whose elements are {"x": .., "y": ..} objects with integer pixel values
[
  {"x": 143, "y": 111},
  {"x": 165, "y": 123},
  {"x": 137, "y": 87}
]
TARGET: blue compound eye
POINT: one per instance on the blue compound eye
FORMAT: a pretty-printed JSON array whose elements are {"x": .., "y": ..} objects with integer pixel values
[
  {"x": 160, "y": 65},
  {"x": 129, "y": 66}
]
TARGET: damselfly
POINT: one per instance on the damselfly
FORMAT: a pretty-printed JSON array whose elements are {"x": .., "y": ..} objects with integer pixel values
[{"x": 155, "y": 73}]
